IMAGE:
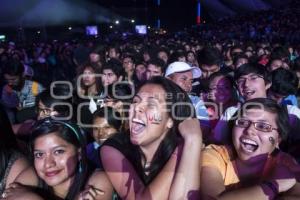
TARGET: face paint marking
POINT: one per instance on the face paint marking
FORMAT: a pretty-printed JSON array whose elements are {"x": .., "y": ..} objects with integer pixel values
[
  {"x": 155, "y": 119},
  {"x": 272, "y": 140}
]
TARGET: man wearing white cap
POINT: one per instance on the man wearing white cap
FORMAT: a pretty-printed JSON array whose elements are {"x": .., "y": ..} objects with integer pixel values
[{"x": 183, "y": 74}]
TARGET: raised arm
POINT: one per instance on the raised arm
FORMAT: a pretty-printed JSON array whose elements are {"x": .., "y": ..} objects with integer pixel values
[{"x": 186, "y": 183}]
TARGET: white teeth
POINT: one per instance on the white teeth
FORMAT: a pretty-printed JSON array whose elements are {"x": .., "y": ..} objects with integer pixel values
[
  {"x": 248, "y": 92},
  {"x": 137, "y": 126},
  {"x": 247, "y": 141},
  {"x": 137, "y": 121}
]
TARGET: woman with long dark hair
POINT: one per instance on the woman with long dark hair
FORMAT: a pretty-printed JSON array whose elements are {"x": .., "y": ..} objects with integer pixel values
[
  {"x": 88, "y": 80},
  {"x": 153, "y": 160}
]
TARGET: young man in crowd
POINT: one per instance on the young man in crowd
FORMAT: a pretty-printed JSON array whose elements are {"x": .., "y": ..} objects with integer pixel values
[
  {"x": 18, "y": 94},
  {"x": 155, "y": 67},
  {"x": 253, "y": 81},
  {"x": 284, "y": 87},
  {"x": 183, "y": 74}
]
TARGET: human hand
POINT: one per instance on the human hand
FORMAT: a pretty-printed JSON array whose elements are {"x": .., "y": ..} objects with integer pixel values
[
  {"x": 190, "y": 129},
  {"x": 90, "y": 193},
  {"x": 284, "y": 178},
  {"x": 17, "y": 191}
]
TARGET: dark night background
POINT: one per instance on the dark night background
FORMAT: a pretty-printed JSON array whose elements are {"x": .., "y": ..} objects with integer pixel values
[
  {"x": 174, "y": 14},
  {"x": 29, "y": 16}
]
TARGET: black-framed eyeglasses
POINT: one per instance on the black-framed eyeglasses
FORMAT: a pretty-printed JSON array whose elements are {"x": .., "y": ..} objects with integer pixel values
[
  {"x": 260, "y": 126},
  {"x": 44, "y": 111},
  {"x": 251, "y": 79}
]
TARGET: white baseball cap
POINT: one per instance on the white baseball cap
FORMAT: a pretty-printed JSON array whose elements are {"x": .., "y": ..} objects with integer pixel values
[{"x": 178, "y": 66}]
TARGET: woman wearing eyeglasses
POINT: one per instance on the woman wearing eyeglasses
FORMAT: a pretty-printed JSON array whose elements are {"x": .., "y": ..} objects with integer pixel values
[{"x": 252, "y": 167}]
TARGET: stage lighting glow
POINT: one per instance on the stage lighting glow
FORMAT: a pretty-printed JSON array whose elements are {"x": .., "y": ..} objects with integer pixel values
[
  {"x": 141, "y": 29},
  {"x": 132, "y": 21},
  {"x": 117, "y": 22},
  {"x": 70, "y": 28},
  {"x": 2, "y": 37},
  {"x": 91, "y": 30}
]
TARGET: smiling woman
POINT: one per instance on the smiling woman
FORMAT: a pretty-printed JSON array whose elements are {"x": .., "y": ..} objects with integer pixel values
[
  {"x": 253, "y": 165},
  {"x": 59, "y": 158}
]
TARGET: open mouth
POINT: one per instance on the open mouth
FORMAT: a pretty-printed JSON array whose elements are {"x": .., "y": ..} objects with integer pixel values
[
  {"x": 248, "y": 93},
  {"x": 102, "y": 140},
  {"x": 249, "y": 145},
  {"x": 137, "y": 126}
]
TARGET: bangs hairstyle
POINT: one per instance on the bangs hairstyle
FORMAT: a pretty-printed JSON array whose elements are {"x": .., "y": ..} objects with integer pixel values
[
  {"x": 113, "y": 117},
  {"x": 269, "y": 105},
  {"x": 256, "y": 69},
  {"x": 115, "y": 66},
  {"x": 59, "y": 105}
]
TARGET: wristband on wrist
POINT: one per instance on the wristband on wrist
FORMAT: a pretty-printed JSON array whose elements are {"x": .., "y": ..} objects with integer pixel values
[{"x": 270, "y": 188}]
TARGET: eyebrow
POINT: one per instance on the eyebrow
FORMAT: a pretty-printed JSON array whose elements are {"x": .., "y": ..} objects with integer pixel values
[
  {"x": 155, "y": 98},
  {"x": 260, "y": 120},
  {"x": 251, "y": 74},
  {"x": 184, "y": 76},
  {"x": 263, "y": 120},
  {"x": 147, "y": 98},
  {"x": 59, "y": 146},
  {"x": 108, "y": 73}
]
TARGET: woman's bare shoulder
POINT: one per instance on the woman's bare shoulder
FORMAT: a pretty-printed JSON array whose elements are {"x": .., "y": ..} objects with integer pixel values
[{"x": 23, "y": 172}]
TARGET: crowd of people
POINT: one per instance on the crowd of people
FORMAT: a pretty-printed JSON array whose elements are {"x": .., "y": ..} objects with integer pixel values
[{"x": 211, "y": 112}]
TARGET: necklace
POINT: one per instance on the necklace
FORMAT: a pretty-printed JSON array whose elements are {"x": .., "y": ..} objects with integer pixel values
[{"x": 147, "y": 165}]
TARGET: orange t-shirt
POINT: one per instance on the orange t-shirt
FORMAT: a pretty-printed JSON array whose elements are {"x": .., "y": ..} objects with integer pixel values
[{"x": 219, "y": 157}]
